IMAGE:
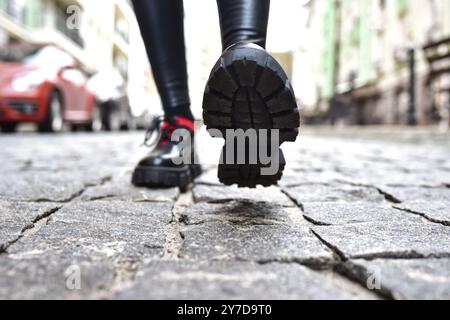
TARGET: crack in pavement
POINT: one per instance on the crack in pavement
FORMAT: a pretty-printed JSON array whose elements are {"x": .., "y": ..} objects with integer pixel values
[
  {"x": 387, "y": 196},
  {"x": 315, "y": 222},
  {"x": 317, "y": 264},
  {"x": 125, "y": 269},
  {"x": 361, "y": 276},
  {"x": 29, "y": 229},
  {"x": 175, "y": 235},
  {"x": 346, "y": 269},
  {"x": 340, "y": 256},
  {"x": 293, "y": 200},
  {"x": 36, "y": 223},
  {"x": 424, "y": 215},
  {"x": 400, "y": 255},
  {"x": 353, "y": 272},
  {"x": 75, "y": 195},
  {"x": 343, "y": 266},
  {"x": 338, "y": 264}
]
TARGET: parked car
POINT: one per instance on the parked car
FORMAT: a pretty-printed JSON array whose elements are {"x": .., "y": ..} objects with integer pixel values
[
  {"x": 44, "y": 85},
  {"x": 110, "y": 90}
]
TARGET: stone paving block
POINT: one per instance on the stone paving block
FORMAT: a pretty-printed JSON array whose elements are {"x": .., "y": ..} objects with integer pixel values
[
  {"x": 440, "y": 176},
  {"x": 95, "y": 236},
  {"x": 231, "y": 280},
  {"x": 331, "y": 213},
  {"x": 417, "y": 193},
  {"x": 236, "y": 212},
  {"x": 424, "y": 279},
  {"x": 15, "y": 217},
  {"x": 102, "y": 229},
  {"x": 48, "y": 186},
  {"x": 309, "y": 163},
  {"x": 205, "y": 193},
  {"x": 365, "y": 165},
  {"x": 51, "y": 151},
  {"x": 333, "y": 193},
  {"x": 293, "y": 178},
  {"x": 436, "y": 211},
  {"x": 40, "y": 276},
  {"x": 394, "y": 177},
  {"x": 397, "y": 239},
  {"x": 120, "y": 188},
  {"x": 221, "y": 240}
]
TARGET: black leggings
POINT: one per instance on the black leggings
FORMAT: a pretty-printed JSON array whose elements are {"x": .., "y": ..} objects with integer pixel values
[{"x": 161, "y": 24}]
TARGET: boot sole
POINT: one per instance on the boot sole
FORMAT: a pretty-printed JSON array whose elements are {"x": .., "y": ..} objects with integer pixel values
[
  {"x": 165, "y": 177},
  {"x": 248, "y": 89}
]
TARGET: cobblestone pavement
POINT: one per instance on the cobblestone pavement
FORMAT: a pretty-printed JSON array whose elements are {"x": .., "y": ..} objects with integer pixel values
[{"x": 360, "y": 214}]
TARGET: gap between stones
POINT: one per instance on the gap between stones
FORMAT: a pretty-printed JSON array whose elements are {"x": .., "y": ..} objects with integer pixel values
[
  {"x": 387, "y": 196},
  {"x": 175, "y": 241},
  {"x": 77, "y": 194},
  {"x": 423, "y": 215},
  {"x": 126, "y": 270},
  {"x": 29, "y": 229},
  {"x": 341, "y": 266},
  {"x": 43, "y": 219},
  {"x": 352, "y": 272},
  {"x": 175, "y": 237},
  {"x": 393, "y": 200}
]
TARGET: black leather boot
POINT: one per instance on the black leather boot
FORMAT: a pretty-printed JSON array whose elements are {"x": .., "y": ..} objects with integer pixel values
[
  {"x": 169, "y": 164},
  {"x": 248, "y": 89}
]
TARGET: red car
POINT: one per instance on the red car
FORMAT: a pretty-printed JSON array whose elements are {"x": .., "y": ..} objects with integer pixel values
[{"x": 43, "y": 85}]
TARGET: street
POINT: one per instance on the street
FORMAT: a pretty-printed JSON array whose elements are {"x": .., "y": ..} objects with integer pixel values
[{"x": 359, "y": 214}]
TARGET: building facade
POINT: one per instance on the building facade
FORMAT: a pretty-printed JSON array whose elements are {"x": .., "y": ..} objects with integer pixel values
[{"x": 374, "y": 69}]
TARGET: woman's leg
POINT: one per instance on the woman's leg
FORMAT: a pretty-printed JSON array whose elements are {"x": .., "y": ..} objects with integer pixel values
[
  {"x": 243, "y": 20},
  {"x": 161, "y": 24},
  {"x": 162, "y": 27}
]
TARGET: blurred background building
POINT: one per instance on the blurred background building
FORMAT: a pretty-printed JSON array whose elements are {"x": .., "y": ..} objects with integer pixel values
[
  {"x": 379, "y": 61},
  {"x": 101, "y": 35}
]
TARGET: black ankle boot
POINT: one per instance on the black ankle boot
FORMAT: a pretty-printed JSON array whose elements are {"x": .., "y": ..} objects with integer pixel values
[
  {"x": 248, "y": 89},
  {"x": 169, "y": 164}
]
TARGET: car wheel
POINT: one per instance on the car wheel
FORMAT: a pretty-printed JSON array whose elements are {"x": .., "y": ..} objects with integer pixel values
[
  {"x": 8, "y": 127},
  {"x": 54, "y": 121},
  {"x": 96, "y": 124}
]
